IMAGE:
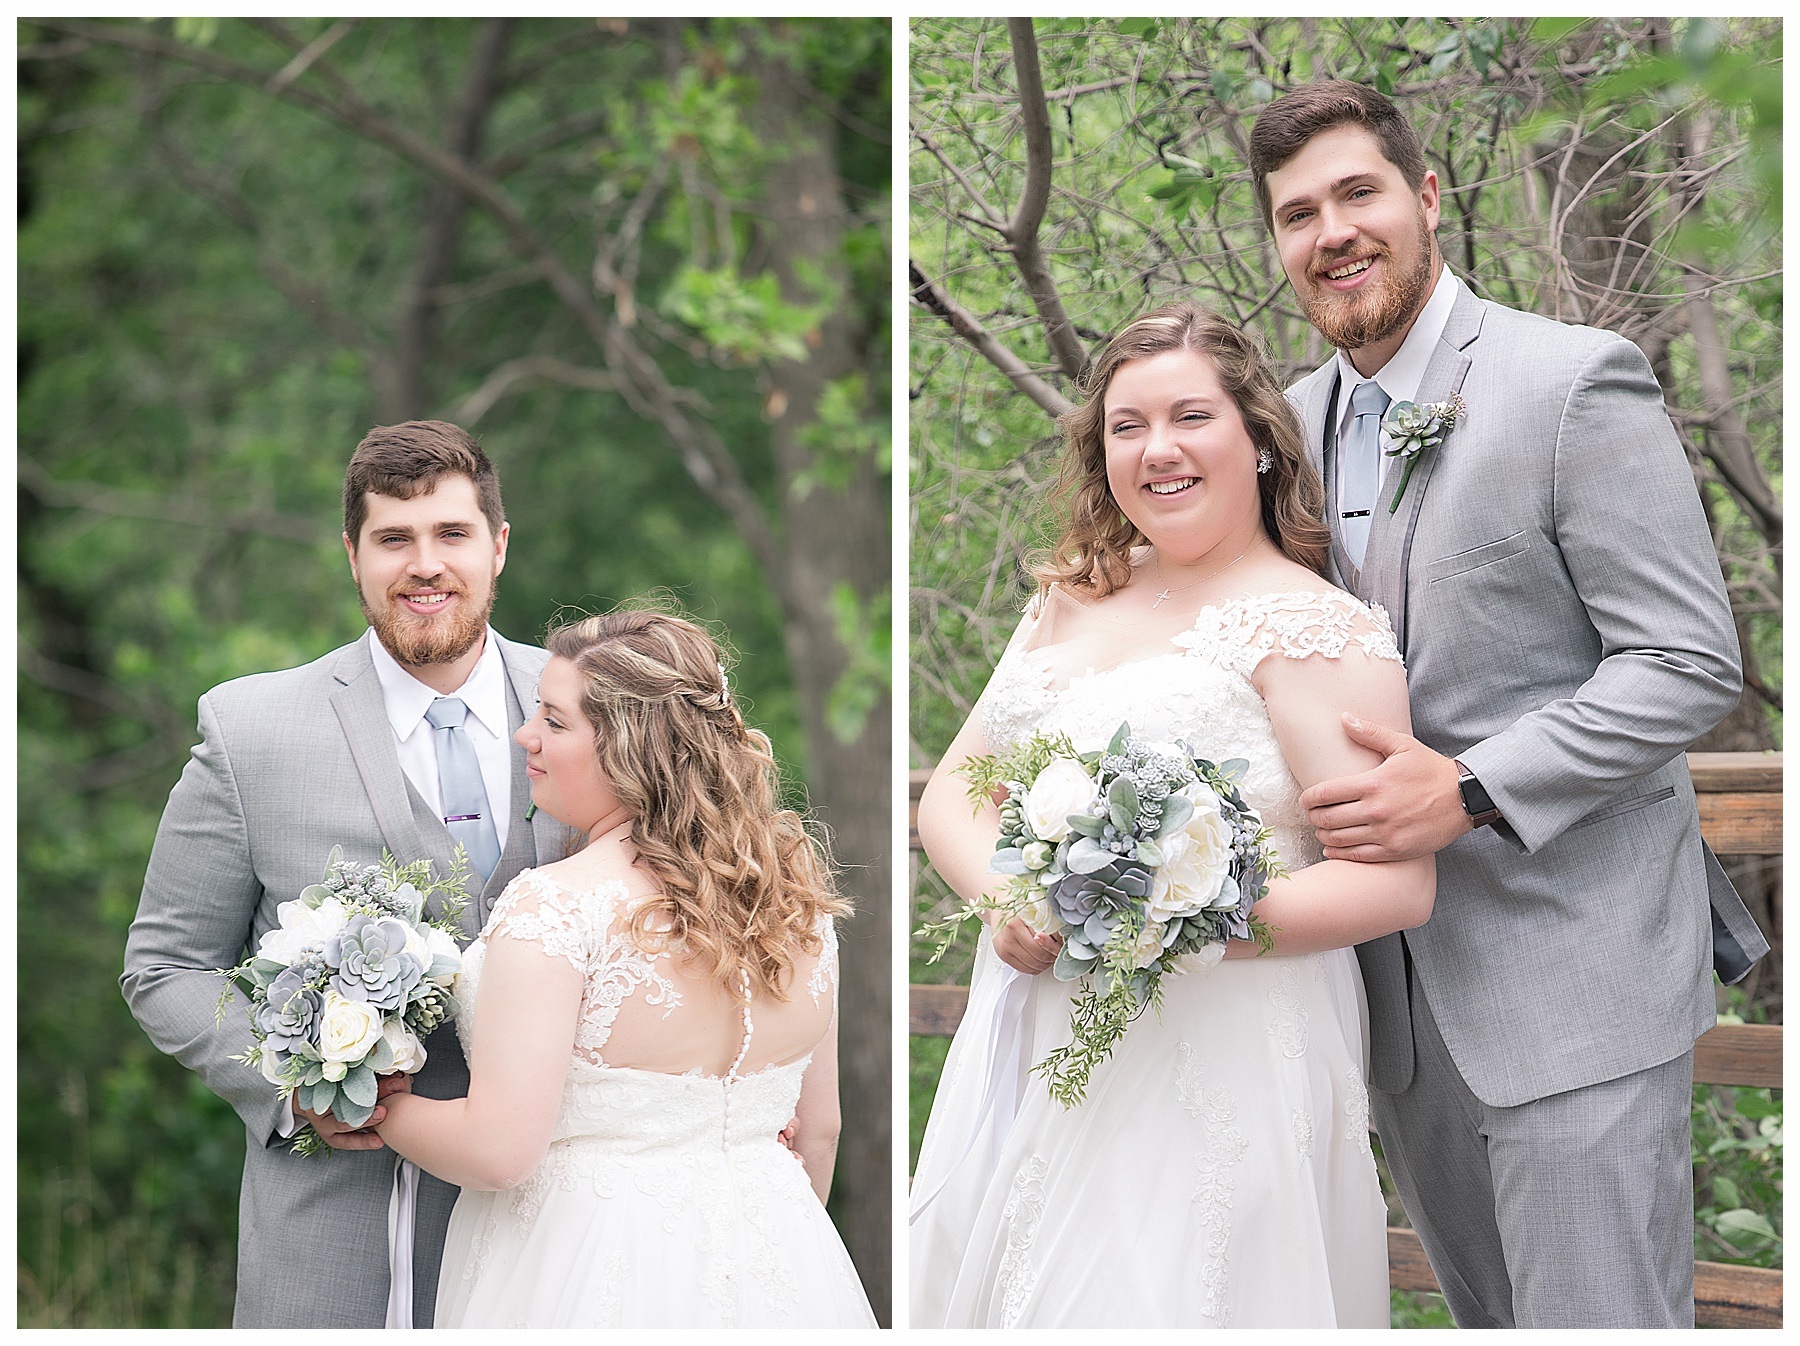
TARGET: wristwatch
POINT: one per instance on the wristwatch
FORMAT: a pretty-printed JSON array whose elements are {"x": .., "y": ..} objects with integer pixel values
[{"x": 1475, "y": 800}]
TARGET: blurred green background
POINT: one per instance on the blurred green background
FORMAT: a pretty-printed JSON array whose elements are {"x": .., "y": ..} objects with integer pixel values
[{"x": 645, "y": 261}]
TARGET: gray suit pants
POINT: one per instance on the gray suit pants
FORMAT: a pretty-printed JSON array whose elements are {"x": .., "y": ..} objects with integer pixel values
[{"x": 1574, "y": 1210}]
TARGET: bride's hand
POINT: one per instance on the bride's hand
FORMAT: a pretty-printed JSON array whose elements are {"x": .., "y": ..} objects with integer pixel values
[{"x": 1024, "y": 950}]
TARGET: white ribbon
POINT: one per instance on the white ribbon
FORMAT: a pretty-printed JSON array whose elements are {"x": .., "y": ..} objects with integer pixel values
[
  {"x": 1005, "y": 1059},
  {"x": 402, "y": 1203}
]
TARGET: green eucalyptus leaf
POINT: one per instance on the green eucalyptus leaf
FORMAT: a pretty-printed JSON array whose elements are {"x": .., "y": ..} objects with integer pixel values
[
  {"x": 1088, "y": 855},
  {"x": 359, "y": 1086},
  {"x": 1177, "y": 809}
]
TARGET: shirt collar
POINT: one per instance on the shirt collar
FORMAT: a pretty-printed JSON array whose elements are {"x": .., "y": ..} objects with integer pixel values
[
  {"x": 1401, "y": 376},
  {"x": 406, "y": 699}
]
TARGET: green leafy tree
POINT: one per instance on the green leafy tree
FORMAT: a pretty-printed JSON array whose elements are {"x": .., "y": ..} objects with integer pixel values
[{"x": 644, "y": 261}]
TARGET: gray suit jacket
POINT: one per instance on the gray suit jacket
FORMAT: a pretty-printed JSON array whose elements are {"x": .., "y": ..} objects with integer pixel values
[
  {"x": 1557, "y": 598},
  {"x": 289, "y": 765}
]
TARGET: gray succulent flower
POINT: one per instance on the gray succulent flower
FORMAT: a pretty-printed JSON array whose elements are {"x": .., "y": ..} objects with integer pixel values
[
  {"x": 430, "y": 1010},
  {"x": 1095, "y": 902},
  {"x": 286, "y": 1018},
  {"x": 369, "y": 962}
]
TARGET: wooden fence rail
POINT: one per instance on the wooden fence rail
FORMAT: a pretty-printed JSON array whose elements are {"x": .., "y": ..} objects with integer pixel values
[{"x": 1740, "y": 814}]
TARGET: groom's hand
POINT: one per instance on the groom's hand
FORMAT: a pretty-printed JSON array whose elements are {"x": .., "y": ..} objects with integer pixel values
[{"x": 1407, "y": 807}]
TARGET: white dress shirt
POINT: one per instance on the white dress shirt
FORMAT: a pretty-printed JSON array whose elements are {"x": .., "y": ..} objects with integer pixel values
[
  {"x": 484, "y": 693},
  {"x": 1401, "y": 376}
]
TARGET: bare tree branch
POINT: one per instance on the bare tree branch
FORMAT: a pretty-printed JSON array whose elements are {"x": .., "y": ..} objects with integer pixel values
[
  {"x": 189, "y": 512},
  {"x": 529, "y": 369},
  {"x": 927, "y": 293},
  {"x": 642, "y": 384},
  {"x": 310, "y": 53},
  {"x": 1071, "y": 358},
  {"x": 990, "y": 217}
]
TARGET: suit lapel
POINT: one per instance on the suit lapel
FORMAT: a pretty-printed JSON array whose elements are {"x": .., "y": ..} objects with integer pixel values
[
  {"x": 363, "y": 715},
  {"x": 1390, "y": 537}
]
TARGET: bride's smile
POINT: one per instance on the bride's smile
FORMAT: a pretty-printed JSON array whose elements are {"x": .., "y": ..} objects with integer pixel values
[{"x": 1179, "y": 460}]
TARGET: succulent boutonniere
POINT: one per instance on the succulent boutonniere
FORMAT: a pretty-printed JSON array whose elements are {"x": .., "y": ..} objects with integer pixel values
[{"x": 1412, "y": 429}]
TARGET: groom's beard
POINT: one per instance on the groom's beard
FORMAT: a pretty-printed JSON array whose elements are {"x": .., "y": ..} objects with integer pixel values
[
  {"x": 1356, "y": 320},
  {"x": 416, "y": 640}
]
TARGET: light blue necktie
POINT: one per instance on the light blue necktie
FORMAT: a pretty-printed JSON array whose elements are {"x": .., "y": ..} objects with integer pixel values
[
  {"x": 1362, "y": 468},
  {"x": 465, "y": 800}
]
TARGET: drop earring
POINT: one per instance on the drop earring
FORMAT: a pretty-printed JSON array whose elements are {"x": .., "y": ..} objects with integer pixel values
[{"x": 1265, "y": 461}]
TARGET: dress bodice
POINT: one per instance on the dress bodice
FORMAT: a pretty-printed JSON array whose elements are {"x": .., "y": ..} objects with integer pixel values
[
  {"x": 663, "y": 1199},
  {"x": 623, "y": 1108},
  {"x": 1199, "y": 691}
]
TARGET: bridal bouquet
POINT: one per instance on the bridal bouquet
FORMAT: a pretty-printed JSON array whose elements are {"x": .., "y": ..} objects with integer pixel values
[
  {"x": 344, "y": 989},
  {"x": 1144, "y": 858}
]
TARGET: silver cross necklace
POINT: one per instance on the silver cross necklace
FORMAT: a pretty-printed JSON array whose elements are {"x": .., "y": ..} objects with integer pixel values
[{"x": 1202, "y": 580}]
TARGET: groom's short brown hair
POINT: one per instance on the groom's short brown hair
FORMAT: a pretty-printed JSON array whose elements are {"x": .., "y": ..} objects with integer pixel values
[
  {"x": 410, "y": 459},
  {"x": 1285, "y": 125}
]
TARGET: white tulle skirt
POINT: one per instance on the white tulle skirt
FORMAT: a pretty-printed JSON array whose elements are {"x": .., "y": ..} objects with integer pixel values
[
  {"x": 680, "y": 1212},
  {"x": 1219, "y": 1173}
]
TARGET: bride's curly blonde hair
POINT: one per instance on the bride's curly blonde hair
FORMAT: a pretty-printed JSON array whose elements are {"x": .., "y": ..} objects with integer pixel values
[
  {"x": 744, "y": 883},
  {"x": 1093, "y": 551}
]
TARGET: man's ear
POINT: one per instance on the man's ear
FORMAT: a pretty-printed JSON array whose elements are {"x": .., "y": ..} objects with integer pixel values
[
  {"x": 350, "y": 551},
  {"x": 1428, "y": 198},
  {"x": 500, "y": 547}
]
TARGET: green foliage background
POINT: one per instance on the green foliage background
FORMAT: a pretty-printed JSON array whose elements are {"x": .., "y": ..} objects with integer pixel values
[{"x": 213, "y": 286}]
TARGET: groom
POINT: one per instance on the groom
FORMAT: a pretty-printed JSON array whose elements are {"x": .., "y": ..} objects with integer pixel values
[
  {"x": 1556, "y": 595},
  {"x": 367, "y": 748}
]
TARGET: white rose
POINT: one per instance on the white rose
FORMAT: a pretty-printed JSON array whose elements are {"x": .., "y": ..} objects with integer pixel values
[
  {"x": 303, "y": 929},
  {"x": 1199, "y": 960},
  {"x": 439, "y": 944},
  {"x": 347, "y": 1030},
  {"x": 1061, "y": 788},
  {"x": 271, "y": 1063},
  {"x": 1195, "y": 860},
  {"x": 1039, "y": 915},
  {"x": 1149, "y": 945},
  {"x": 409, "y": 1052}
]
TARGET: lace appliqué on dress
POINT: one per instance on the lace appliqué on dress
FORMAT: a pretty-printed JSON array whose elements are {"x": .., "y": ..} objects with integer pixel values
[
  {"x": 1024, "y": 1208},
  {"x": 1356, "y": 1111},
  {"x": 1289, "y": 1024},
  {"x": 1242, "y": 633},
  {"x": 1217, "y": 1164},
  {"x": 824, "y": 979},
  {"x": 1302, "y": 1123},
  {"x": 578, "y": 926},
  {"x": 1020, "y": 688}
]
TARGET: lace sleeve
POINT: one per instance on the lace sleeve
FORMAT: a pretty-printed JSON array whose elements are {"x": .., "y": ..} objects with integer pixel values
[
  {"x": 1242, "y": 633},
  {"x": 537, "y": 910},
  {"x": 824, "y": 979}
]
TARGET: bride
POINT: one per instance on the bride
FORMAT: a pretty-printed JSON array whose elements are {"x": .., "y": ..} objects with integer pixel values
[
  {"x": 642, "y": 1020},
  {"x": 1218, "y": 1173}
]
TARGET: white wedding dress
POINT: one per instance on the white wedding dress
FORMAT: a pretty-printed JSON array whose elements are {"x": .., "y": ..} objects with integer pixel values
[
  {"x": 1219, "y": 1173},
  {"x": 664, "y": 1200}
]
